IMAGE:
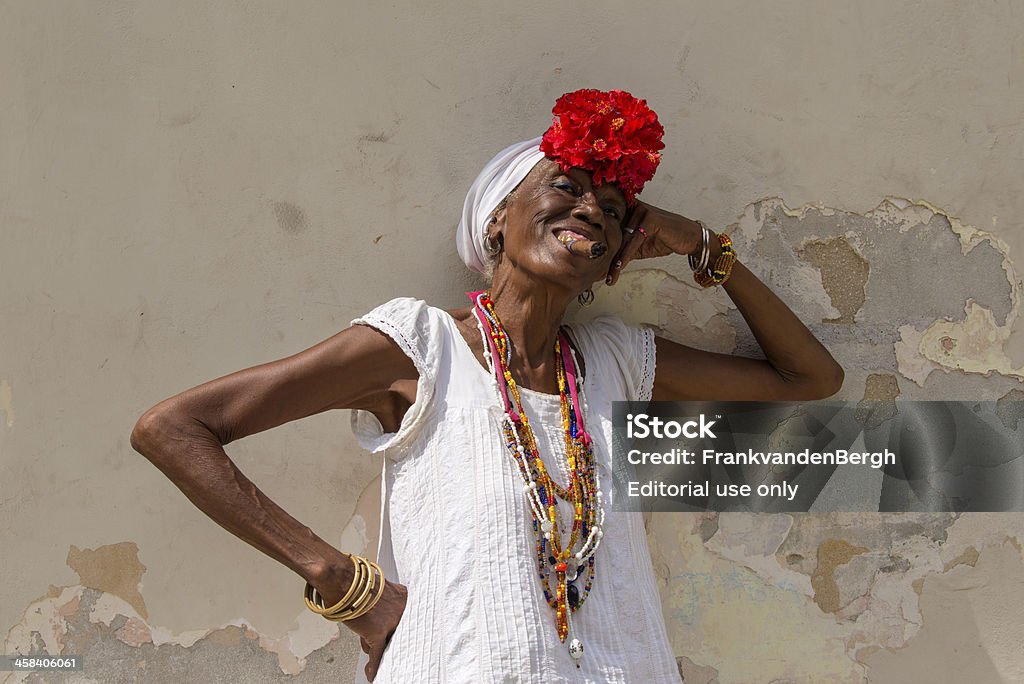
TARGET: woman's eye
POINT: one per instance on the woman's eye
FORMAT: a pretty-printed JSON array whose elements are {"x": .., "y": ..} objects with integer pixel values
[
  {"x": 568, "y": 187},
  {"x": 612, "y": 211}
]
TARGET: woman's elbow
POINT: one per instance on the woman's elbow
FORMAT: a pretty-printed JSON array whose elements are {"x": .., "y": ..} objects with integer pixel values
[
  {"x": 830, "y": 381},
  {"x": 155, "y": 431},
  {"x": 821, "y": 384},
  {"x": 145, "y": 433}
]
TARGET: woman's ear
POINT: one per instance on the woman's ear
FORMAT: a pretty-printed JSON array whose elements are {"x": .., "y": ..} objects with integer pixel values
[
  {"x": 494, "y": 241},
  {"x": 496, "y": 223}
]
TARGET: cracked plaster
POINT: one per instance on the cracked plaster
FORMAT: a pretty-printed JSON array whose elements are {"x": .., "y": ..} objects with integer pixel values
[
  {"x": 836, "y": 267},
  {"x": 869, "y": 574},
  {"x": 120, "y": 645}
]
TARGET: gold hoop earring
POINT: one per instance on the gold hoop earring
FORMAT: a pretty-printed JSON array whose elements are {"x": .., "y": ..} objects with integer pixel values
[
  {"x": 491, "y": 245},
  {"x": 586, "y": 298}
]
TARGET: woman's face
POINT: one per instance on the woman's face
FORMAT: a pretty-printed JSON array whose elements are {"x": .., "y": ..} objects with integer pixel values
[{"x": 549, "y": 202}]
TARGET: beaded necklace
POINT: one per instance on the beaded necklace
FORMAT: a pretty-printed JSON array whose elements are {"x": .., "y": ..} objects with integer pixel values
[{"x": 556, "y": 562}]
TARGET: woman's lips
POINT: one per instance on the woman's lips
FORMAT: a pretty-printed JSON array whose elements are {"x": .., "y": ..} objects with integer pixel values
[{"x": 565, "y": 232}]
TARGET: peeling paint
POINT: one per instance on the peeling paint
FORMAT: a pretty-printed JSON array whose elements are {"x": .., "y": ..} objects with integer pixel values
[
  {"x": 692, "y": 673},
  {"x": 831, "y": 266},
  {"x": 881, "y": 387},
  {"x": 844, "y": 273},
  {"x": 831, "y": 554},
  {"x": 134, "y": 632},
  {"x": 911, "y": 364},
  {"x": 114, "y": 568},
  {"x": 105, "y": 614},
  {"x": 118, "y": 644},
  {"x": 879, "y": 402},
  {"x": 968, "y": 557},
  {"x": 980, "y": 342},
  {"x": 738, "y": 620},
  {"x": 120, "y": 650},
  {"x": 960, "y": 322},
  {"x": 753, "y": 541},
  {"x": 966, "y": 611},
  {"x": 44, "y": 627},
  {"x": 708, "y": 524}
]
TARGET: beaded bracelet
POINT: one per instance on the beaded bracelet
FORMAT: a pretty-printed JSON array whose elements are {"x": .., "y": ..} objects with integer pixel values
[
  {"x": 366, "y": 578},
  {"x": 722, "y": 268}
]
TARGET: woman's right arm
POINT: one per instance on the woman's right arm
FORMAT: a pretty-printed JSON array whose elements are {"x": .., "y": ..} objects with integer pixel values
[{"x": 184, "y": 436}]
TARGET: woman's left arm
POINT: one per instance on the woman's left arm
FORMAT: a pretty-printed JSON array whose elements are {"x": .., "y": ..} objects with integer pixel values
[{"x": 797, "y": 366}]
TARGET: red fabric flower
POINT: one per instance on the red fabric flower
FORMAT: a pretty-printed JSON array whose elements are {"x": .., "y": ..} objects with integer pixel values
[{"x": 612, "y": 134}]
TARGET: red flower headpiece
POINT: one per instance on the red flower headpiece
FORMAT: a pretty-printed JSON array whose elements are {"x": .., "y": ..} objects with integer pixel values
[{"x": 611, "y": 134}]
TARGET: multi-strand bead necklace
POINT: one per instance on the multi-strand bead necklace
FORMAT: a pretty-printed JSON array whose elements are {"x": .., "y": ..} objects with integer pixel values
[{"x": 560, "y": 561}]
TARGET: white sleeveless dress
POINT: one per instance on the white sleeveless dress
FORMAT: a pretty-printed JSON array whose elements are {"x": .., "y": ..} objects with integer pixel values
[{"x": 455, "y": 524}]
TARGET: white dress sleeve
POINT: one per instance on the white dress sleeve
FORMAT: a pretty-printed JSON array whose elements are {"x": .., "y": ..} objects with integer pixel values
[
  {"x": 625, "y": 352},
  {"x": 407, "y": 322}
]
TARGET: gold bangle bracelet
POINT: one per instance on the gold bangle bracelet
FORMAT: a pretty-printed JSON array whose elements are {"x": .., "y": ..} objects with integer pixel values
[
  {"x": 367, "y": 588},
  {"x": 373, "y": 601},
  {"x": 366, "y": 600},
  {"x": 315, "y": 602}
]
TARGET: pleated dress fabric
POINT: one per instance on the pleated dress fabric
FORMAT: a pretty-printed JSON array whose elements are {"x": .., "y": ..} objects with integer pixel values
[{"x": 456, "y": 526}]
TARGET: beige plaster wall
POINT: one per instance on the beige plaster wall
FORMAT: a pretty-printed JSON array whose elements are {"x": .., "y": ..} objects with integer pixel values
[{"x": 190, "y": 188}]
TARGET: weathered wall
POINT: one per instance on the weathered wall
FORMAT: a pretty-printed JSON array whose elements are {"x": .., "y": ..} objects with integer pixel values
[{"x": 187, "y": 189}]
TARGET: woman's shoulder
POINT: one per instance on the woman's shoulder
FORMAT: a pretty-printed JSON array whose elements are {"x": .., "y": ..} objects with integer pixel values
[
  {"x": 403, "y": 311},
  {"x": 419, "y": 328}
]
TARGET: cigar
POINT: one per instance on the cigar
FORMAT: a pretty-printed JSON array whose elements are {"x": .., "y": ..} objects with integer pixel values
[{"x": 587, "y": 248}]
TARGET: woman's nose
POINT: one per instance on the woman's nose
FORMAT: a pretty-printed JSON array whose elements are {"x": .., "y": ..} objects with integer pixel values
[{"x": 587, "y": 209}]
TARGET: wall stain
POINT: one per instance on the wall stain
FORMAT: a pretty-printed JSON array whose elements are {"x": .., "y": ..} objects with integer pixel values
[
  {"x": 6, "y": 405},
  {"x": 290, "y": 218},
  {"x": 381, "y": 137},
  {"x": 114, "y": 568}
]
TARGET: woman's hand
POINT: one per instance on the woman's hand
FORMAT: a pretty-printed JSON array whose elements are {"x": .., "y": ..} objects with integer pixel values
[
  {"x": 662, "y": 233},
  {"x": 376, "y": 627}
]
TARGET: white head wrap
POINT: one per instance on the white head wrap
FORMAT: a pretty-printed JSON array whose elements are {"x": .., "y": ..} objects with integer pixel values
[{"x": 500, "y": 177}]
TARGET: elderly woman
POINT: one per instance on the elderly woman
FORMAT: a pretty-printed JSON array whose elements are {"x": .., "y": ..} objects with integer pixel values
[{"x": 499, "y": 557}]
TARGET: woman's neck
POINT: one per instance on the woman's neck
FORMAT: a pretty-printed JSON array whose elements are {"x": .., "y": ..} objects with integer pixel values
[{"x": 531, "y": 315}]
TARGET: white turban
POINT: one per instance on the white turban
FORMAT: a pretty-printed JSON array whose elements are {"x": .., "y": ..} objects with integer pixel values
[{"x": 500, "y": 177}]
